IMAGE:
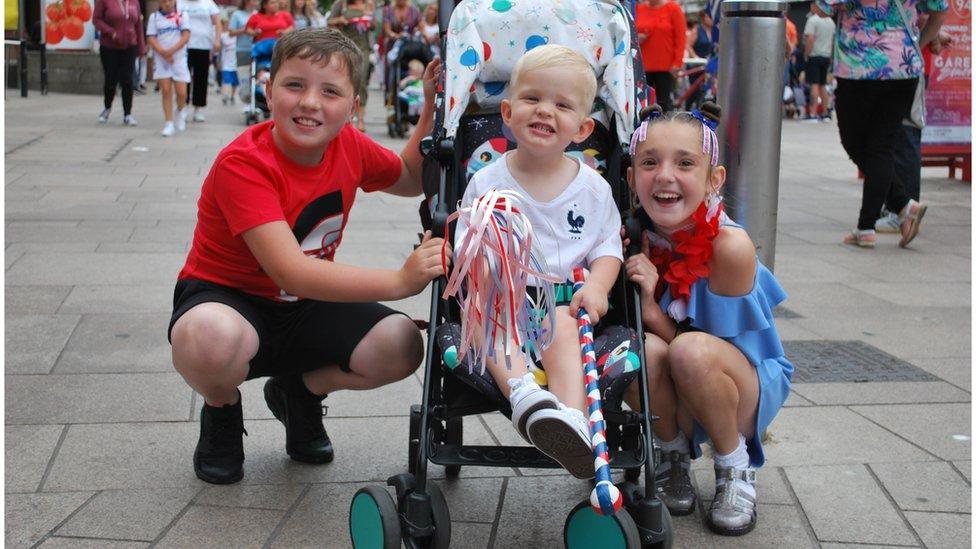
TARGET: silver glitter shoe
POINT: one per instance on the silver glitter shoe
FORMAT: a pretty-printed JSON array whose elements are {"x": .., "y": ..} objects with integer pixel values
[
  {"x": 673, "y": 484},
  {"x": 732, "y": 512}
]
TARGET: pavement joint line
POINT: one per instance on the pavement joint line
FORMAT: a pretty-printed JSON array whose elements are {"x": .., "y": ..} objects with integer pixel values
[
  {"x": 65, "y": 520},
  {"x": 24, "y": 144},
  {"x": 868, "y": 544},
  {"x": 807, "y": 526},
  {"x": 54, "y": 456},
  {"x": 220, "y": 506},
  {"x": 893, "y": 503},
  {"x": 286, "y": 517},
  {"x": 155, "y": 541},
  {"x": 493, "y": 536},
  {"x": 112, "y": 155},
  {"x": 939, "y": 458},
  {"x": 131, "y": 540},
  {"x": 962, "y": 475}
]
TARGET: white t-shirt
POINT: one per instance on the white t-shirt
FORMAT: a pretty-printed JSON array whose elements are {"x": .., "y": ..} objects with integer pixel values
[
  {"x": 168, "y": 29},
  {"x": 822, "y": 29},
  {"x": 574, "y": 229},
  {"x": 198, "y": 13},
  {"x": 228, "y": 52}
]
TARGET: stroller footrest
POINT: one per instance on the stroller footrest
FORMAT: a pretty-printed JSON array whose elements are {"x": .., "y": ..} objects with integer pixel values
[{"x": 517, "y": 456}]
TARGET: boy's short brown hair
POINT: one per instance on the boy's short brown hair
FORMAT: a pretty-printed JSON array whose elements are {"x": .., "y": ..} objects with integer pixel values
[{"x": 319, "y": 45}]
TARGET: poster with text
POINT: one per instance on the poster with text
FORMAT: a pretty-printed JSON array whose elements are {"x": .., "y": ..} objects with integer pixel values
[
  {"x": 948, "y": 99},
  {"x": 68, "y": 24}
]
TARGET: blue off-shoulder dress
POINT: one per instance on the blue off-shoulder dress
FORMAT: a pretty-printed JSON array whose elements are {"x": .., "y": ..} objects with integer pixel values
[{"x": 745, "y": 321}]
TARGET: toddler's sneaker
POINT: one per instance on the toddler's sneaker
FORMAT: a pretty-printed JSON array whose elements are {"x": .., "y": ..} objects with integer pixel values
[
  {"x": 527, "y": 398},
  {"x": 888, "y": 223},
  {"x": 181, "y": 119},
  {"x": 128, "y": 120},
  {"x": 168, "y": 130},
  {"x": 103, "y": 118},
  {"x": 673, "y": 483},
  {"x": 733, "y": 510},
  {"x": 563, "y": 434},
  {"x": 911, "y": 219},
  {"x": 198, "y": 116}
]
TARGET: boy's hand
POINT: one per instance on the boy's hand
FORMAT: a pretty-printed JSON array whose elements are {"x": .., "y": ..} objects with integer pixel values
[
  {"x": 591, "y": 298},
  {"x": 423, "y": 265},
  {"x": 641, "y": 271},
  {"x": 431, "y": 74}
]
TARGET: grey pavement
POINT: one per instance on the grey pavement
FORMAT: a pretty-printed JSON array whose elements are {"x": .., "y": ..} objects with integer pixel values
[{"x": 872, "y": 448}]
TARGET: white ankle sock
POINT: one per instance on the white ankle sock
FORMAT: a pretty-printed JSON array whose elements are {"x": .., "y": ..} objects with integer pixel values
[
  {"x": 679, "y": 444},
  {"x": 739, "y": 459}
]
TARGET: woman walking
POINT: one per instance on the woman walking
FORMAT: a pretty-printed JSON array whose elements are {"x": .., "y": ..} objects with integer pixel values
[
  {"x": 355, "y": 19},
  {"x": 661, "y": 32},
  {"x": 205, "y": 29},
  {"x": 120, "y": 41}
]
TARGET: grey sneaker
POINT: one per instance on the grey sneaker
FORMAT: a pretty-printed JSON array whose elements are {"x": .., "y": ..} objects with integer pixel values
[
  {"x": 888, "y": 223},
  {"x": 103, "y": 118},
  {"x": 673, "y": 484},
  {"x": 733, "y": 511},
  {"x": 128, "y": 120},
  {"x": 563, "y": 434}
]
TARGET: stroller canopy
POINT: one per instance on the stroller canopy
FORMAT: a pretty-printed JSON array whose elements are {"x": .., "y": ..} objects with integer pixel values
[{"x": 486, "y": 38}]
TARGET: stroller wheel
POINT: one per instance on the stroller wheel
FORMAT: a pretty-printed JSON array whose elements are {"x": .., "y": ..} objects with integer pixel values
[
  {"x": 584, "y": 528},
  {"x": 441, "y": 515},
  {"x": 414, "y": 443},
  {"x": 373, "y": 519},
  {"x": 454, "y": 435}
]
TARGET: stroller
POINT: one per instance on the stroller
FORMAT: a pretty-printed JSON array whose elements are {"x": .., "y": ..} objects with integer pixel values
[
  {"x": 400, "y": 55},
  {"x": 257, "y": 108},
  {"x": 468, "y": 134}
]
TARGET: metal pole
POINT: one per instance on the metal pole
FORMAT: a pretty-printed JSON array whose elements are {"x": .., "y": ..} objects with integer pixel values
[
  {"x": 43, "y": 51},
  {"x": 21, "y": 23},
  {"x": 752, "y": 59}
]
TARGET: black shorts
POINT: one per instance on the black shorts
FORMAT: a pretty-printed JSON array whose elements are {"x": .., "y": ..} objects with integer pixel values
[
  {"x": 294, "y": 337},
  {"x": 816, "y": 70}
]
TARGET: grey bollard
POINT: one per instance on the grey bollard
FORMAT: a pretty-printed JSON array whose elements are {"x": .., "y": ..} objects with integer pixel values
[{"x": 750, "y": 92}]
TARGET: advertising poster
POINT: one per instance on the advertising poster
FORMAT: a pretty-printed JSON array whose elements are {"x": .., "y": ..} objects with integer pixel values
[
  {"x": 948, "y": 99},
  {"x": 68, "y": 24},
  {"x": 11, "y": 14}
]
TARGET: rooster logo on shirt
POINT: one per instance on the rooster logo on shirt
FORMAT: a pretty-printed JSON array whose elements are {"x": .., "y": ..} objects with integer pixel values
[{"x": 575, "y": 223}]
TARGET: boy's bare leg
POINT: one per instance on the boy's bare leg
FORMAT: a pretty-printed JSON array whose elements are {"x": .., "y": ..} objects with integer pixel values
[
  {"x": 166, "y": 87},
  {"x": 389, "y": 352},
  {"x": 212, "y": 347},
  {"x": 563, "y": 362}
]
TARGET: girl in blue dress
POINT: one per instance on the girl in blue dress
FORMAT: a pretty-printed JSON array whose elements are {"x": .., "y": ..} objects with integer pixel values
[{"x": 715, "y": 363}]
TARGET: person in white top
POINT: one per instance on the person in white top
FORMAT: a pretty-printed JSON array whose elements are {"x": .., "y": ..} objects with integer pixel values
[
  {"x": 228, "y": 66},
  {"x": 205, "y": 29},
  {"x": 576, "y": 223},
  {"x": 167, "y": 32},
  {"x": 818, "y": 47}
]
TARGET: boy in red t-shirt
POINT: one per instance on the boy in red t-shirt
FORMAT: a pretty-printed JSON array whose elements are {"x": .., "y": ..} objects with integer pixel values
[{"x": 259, "y": 294}]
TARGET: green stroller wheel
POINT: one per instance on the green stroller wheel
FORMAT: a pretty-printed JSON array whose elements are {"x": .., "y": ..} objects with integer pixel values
[
  {"x": 584, "y": 528},
  {"x": 373, "y": 519}
]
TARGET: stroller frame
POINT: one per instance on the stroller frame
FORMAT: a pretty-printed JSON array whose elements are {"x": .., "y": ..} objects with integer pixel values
[{"x": 397, "y": 119}]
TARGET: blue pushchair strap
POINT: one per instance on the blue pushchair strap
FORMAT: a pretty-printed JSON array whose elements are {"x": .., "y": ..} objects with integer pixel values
[{"x": 261, "y": 52}]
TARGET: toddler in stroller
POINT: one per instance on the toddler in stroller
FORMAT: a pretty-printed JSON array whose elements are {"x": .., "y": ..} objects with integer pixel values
[
  {"x": 411, "y": 94},
  {"x": 261, "y": 54},
  {"x": 405, "y": 53}
]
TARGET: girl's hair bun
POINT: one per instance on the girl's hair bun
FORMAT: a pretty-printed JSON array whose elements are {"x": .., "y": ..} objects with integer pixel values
[
  {"x": 654, "y": 111},
  {"x": 712, "y": 111}
]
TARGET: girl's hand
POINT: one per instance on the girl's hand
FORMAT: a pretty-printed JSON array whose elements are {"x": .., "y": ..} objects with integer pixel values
[
  {"x": 641, "y": 271},
  {"x": 593, "y": 300},
  {"x": 431, "y": 74}
]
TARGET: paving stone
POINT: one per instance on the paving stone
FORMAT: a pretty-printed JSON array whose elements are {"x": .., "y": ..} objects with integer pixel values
[
  {"x": 48, "y": 247},
  {"x": 128, "y": 514},
  {"x": 795, "y": 400},
  {"x": 777, "y": 526},
  {"x": 472, "y": 499},
  {"x": 38, "y": 210},
  {"x": 321, "y": 518},
  {"x": 932, "y": 486},
  {"x": 845, "y": 504},
  {"x": 69, "y": 195},
  {"x": 954, "y": 370},
  {"x": 119, "y": 299},
  {"x": 920, "y": 294},
  {"x": 822, "y": 435},
  {"x": 165, "y": 210},
  {"x": 29, "y": 517},
  {"x": 470, "y": 534},
  {"x": 165, "y": 231},
  {"x": 943, "y": 429},
  {"x": 141, "y": 247},
  {"x": 118, "y": 343},
  {"x": 27, "y": 452},
  {"x": 10, "y": 258},
  {"x": 84, "y": 543},
  {"x": 271, "y": 496},
  {"x": 33, "y": 342},
  {"x": 966, "y": 468},
  {"x": 96, "y": 181},
  {"x": 881, "y": 392},
  {"x": 770, "y": 486},
  {"x": 237, "y": 527},
  {"x": 103, "y": 268},
  {"x": 33, "y": 299},
  {"x": 942, "y": 530},
  {"x": 95, "y": 398}
]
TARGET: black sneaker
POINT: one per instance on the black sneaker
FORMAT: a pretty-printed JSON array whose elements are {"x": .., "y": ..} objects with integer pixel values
[
  {"x": 219, "y": 457},
  {"x": 301, "y": 413}
]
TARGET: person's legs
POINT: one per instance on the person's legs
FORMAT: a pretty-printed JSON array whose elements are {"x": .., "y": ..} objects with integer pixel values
[
  {"x": 663, "y": 84},
  {"x": 166, "y": 91},
  {"x": 110, "y": 67},
  {"x": 199, "y": 63},
  {"x": 180, "y": 94},
  {"x": 127, "y": 61}
]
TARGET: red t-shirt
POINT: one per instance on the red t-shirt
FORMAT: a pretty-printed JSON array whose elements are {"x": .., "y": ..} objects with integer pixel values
[
  {"x": 269, "y": 25},
  {"x": 252, "y": 183},
  {"x": 664, "y": 26}
]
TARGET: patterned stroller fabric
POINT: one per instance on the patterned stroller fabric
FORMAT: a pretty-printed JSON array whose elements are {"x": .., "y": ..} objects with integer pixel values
[{"x": 486, "y": 38}]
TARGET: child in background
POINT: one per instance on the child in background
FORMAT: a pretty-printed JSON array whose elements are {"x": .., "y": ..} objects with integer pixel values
[
  {"x": 228, "y": 65},
  {"x": 575, "y": 221},
  {"x": 411, "y": 92},
  {"x": 167, "y": 32},
  {"x": 716, "y": 368}
]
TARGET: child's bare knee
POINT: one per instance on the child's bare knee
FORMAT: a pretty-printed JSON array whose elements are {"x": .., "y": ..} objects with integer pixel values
[{"x": 207, "y": 338}]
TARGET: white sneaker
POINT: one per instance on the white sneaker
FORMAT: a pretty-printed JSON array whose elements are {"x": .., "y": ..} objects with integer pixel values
[
  {"x": 103, "y": 118},
  {"x": 198, "y": 116},
  {"x": 128, "y": 120},
  {"x": 564, "y": 435},
  {"x": 527, "y": 398},
  {"x": 168, "y": 130},
  {"x": 181, "y": 119},
  {"x": 888, "y": 224}
]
